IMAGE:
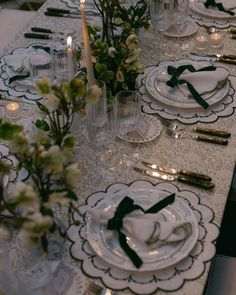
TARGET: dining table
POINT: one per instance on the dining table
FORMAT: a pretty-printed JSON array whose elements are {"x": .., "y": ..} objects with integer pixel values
[{"x": 182, "y": 271}]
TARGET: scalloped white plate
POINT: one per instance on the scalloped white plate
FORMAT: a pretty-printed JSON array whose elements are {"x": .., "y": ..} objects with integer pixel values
[
  {"x": 191, "y": 28},
  {"x": 105, "y": 243},
  {"x": 154, "y": 131}
]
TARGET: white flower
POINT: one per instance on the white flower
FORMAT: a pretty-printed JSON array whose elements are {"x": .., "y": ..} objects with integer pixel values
[
  {"x": 134, "y": 55},
  {"x": 132, "y": 41},
  {"x": 24, "y": 195},
  {"x": 52, "y": 159},
  {"x": 93, "y": 93},
  {"x": 37, "y": 224},
  {"x": 58, "y": 198},
  {"x": 51, "y": 102},
  {"x": 72, "y": 174},
  {"x": 111, "y": 51}
]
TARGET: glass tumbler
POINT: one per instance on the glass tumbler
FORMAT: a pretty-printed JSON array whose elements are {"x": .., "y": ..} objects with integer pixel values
[
  {"x": 129, "y": 110},
  {"x": 40, "y": 66}
]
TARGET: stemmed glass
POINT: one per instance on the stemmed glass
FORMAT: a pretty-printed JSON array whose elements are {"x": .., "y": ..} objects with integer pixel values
[
  {"x": 129, "y": 112},
  {"x": 161, "y": 12},
  {"x": 181, "y": 12}
]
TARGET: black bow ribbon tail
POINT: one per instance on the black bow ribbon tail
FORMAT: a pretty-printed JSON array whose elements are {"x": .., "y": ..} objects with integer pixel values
[{"x": 125, "y": 207}]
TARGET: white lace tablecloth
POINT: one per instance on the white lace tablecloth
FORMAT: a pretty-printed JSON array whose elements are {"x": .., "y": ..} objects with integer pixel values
[{"x": 214, "y": 160}]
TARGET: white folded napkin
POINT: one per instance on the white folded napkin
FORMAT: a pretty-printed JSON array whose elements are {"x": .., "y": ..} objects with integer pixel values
[
  {"x": 19, "y": 63},
  {"x": 147, "y": 228},
  {"x": 204, "y": 82}
]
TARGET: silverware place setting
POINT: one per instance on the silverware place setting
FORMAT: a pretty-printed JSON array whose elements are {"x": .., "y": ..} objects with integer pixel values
[
  {"x": 169, "y": 174},
  {"x": 224, "y": 58},
  {"x": 184, "y": 134}
]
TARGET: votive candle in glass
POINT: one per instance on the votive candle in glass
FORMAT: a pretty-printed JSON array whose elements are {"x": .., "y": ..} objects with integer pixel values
[
  {"x": 12, "y": 109},
  {"x": 216, "y": 40},
  {"x": 201, "y": 41}
]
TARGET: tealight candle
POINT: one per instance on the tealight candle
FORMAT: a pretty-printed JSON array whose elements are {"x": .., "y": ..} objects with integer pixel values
[
  {"x": 12, "y": 109},
  {"x": 216, "y": 40},
  {"x": 201, "y": 42}
]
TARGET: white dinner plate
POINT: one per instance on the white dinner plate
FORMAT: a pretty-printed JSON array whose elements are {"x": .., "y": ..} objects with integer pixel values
[
  {"x": 173, "y": 96},
  {"x": 191, "y": 28},
  {"x": 154, "y": 130},
  {"x": 198, "y": 6},
  {"x": 105, "y": 242}
]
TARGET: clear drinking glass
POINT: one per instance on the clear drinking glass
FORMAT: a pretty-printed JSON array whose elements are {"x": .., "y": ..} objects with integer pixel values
[
  {"x": 181, "y": 12},
  {"x": 40, "y": 66},
  {"x": 161, "y": 12},
  {"x": 129, "y": 110}
]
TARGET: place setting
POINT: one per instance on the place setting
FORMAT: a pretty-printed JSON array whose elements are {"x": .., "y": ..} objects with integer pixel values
[
  {"x": 182, "y": 90},
  {"x": 220, "y": 14},
  {"x": 174, "y": 223},
  {"x": 25, "y": 66}
]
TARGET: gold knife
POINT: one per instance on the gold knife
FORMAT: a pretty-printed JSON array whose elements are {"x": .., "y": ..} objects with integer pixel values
[
  {"x": 168, "y": 177},
  {"x": 173, "y": 171}
]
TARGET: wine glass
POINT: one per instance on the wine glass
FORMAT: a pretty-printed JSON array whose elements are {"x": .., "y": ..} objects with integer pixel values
[{"x": 161, "y": 12}]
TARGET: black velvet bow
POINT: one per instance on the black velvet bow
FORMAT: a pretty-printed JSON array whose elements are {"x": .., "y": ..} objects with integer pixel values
[
  {"x": 125, "y": 207},
  {"x": 218, "y": 5},
  {"x": 174, "y": 81}
]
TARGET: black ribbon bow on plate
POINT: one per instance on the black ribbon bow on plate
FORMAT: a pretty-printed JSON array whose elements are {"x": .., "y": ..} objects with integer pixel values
[
  {"x": 218, "y": 5},
  {"x": 125, "y": 207},
  {"x": 174, "y": 80}
]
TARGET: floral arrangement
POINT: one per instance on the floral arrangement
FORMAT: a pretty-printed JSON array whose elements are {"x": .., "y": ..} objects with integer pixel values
[
  {"x": 115, "y": 48},
  {"x": 48, "y": 157}
]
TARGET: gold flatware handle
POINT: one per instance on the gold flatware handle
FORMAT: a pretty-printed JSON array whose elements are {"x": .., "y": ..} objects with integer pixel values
[
  {"x": 231, "y": 56},
  {"x": 228, "y": 60},
  {"x": 194, "y": 175},
  {"x": 196, "y": 182},
  {"x": 210, "y": 139},
  {"x": 209, "y": 131}
]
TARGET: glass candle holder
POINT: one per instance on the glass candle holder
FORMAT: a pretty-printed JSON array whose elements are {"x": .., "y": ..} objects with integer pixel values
[
  {"x": 201, "y": 41},
  {"x": 12, "y": 109},
  {"x": 216, "y": 40}
]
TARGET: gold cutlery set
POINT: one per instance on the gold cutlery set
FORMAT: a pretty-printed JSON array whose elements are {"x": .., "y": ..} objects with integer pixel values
[
  {"x": 170, "y": 174},
  {"x": 206, "y": 134}
]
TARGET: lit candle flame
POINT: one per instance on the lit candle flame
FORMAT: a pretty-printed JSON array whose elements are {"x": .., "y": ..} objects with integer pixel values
[
  {"x": 82, "y": 1},
  {"x": 69, "y": 41}
]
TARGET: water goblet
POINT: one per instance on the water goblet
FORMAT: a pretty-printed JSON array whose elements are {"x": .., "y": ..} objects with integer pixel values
[
  {"x": 40, "y": 66},
  {"x": 181, "y": 12},
  {"x": 161, "y": 19},
  {"x": 129, "y": 110}
]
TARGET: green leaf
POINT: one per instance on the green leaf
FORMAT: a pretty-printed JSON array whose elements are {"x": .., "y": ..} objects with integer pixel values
[
  {"x": 42, "y": 125},
  {"x": 8, "y": 130},
  {"x": 69, "y": 194},
  {"x": 46, "y": 211}
]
